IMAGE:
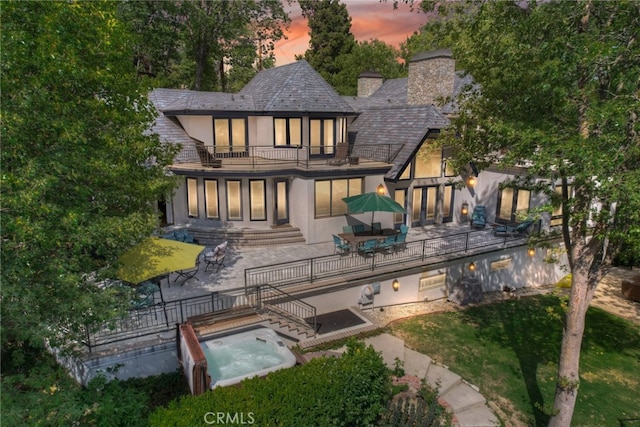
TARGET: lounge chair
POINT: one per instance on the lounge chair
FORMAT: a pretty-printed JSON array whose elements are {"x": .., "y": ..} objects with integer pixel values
[
  {"x": 341, "y": 246},
  {"x": 513, "y": 230},
  {"x": 479, "y": 217},
  {"x": 206, "y": 158}
]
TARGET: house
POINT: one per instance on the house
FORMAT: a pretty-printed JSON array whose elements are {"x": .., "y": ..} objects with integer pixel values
[{"x": 287, "y": 148}]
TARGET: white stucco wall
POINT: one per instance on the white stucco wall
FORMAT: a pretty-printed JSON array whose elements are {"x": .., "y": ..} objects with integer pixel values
[{"x": 198, "y": 127}]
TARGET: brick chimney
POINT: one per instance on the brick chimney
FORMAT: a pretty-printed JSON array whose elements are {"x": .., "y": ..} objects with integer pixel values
[
  {"x": 431, "y": 77},
  {"x": 368, "y": 83}
]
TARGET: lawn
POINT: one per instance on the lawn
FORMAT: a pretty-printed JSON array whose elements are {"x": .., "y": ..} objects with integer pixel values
[{"x": 511, "y": 350}]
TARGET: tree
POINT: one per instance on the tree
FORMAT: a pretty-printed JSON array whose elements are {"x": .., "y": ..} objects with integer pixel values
[
  {"x": 80, "y": 176},
  {"x": 558, "y": 91},
  {"x": 196, "y": 43},
  {"x": 330, "y": 35}
]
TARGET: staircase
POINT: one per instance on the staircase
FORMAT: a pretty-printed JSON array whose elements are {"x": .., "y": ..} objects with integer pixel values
[
  {"x": 287, "y": 322},
  {"x": 246, "y": 237}
]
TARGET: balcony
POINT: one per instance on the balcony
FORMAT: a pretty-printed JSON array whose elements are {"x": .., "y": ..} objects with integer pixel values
[{"x": 271, "y": 158}]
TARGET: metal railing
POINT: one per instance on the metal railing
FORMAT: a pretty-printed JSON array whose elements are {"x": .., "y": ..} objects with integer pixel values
[
  {"x": 331, "y": 266},
  {"x": 286, "y": 305},
  {"x": 296, "y": 156}
]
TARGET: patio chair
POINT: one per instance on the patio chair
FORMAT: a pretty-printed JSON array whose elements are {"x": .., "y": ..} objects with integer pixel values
[
  {"x": 401, "y": 242},
  {"x": 368, "y": 247},
  {"x": 388, "y": 244},
  {"x": 188, "y": 274},
  {"x": 404, "y": 229},
  {"x": 346, "y": 229},
  {"x": 340, "y": 245},
  {"x": 479, "y": 217},
  {"x": 513, "y": 230},
  {"x": 358, "y": 228},
  {"x": 216, "y": 257}
]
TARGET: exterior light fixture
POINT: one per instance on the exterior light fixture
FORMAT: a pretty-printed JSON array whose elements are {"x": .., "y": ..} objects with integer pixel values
[
  {"x": 472, "y": 266},
  {"x": 380, "y": 190},
  {"x": 471, "y": 181},
  {"x": 395, "y": 285},
  {"x": 465, "y": 209},
  {"x": 531, "y": 252}
]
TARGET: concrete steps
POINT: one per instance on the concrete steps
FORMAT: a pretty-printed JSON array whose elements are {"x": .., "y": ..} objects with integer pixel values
[
  {"x": 467, "y": 405},
  {"x": 277, "y": 317},
  {"x": 247, "y": 237}
]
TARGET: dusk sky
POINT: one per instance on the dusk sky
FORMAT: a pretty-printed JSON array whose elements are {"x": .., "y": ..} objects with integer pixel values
[{"x": 370, "y": 19}]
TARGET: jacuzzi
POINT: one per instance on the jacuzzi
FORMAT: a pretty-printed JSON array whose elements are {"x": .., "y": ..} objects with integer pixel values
[{"x": 232, "y": 358}]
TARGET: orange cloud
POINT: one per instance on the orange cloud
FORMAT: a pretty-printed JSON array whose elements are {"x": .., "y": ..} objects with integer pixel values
[{"x": 370, "y": 19}]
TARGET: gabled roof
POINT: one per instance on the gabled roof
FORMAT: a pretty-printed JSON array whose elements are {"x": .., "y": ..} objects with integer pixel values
[
  {"x": 406, "y": 125},
  {"x": 294, "y": 87},
  {"x": 196, "y": 102}
]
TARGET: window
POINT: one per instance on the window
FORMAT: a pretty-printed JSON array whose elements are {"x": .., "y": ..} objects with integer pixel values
[
  {"x": 428, "y": 163},
  {"x": 288, "y": 132},
  {"x": 406, "y": 174},
  {"x": 432, "y": 282},
  {"x": 211, "y": 198},
  {"x": 257, "y": 197},
  {"x": 447, "y": 212},
  {"x": 556, "y": 215},
  {"x": 192, "y": 197},
  {"x": 234, "y": 201},
  {"x": 322, "y": 136},
  {"x": 501, "y": 264},
  {"x": 400, "y": 196},
  {"x": 512, "y": 201},
  {"x": 229, "y": 135},
  {"x": 329, "y": 194}
]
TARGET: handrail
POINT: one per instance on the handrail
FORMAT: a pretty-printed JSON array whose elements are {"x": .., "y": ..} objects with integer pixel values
[
  {"x": 299, "y": 310},
  {"x": 299, "y": 156},
  {"x": 311, "y": 270}
]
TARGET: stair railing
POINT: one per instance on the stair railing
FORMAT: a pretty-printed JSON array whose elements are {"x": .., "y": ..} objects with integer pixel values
[{"x": 286, "y": 305}]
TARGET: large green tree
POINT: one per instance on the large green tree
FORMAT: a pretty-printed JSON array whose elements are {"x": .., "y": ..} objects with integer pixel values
[
  {"x": 79, "y": 173},
  {"x": 330, "y": 36},
  {"x": 558, "y": 92}
]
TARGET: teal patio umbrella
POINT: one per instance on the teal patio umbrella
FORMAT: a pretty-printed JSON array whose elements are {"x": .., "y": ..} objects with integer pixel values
[{"x": 372, "y": 202}]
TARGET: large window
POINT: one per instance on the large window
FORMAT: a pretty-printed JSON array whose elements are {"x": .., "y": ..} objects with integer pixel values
[
  {"x": 428, "y": 163},
  {"x": 287, "y": 132},
  {"x": 322, "y": 136},
  {"x": 192, "y": 197},
  {"x": 211, "y": 198},
  {"x": 230, "y": 135},
  {"x": 511, "y": 203},
  {"x": 329, "y": 194},
  {"x": 234, "y": 200},
  {"x": 257, "y": 197}
]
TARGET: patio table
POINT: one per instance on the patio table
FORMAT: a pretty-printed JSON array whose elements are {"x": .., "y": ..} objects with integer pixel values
[{"x": 356, "y": 239}]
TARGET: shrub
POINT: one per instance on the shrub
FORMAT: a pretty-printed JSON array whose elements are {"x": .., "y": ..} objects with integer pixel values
[{"x": 351, "y": 390}]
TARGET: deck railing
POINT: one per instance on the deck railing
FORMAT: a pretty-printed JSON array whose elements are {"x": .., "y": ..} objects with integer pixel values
[
  {"x": 303, "y": 157},
  {"x": 328, "y": 267},
  {"x": 267, "y": 284}
]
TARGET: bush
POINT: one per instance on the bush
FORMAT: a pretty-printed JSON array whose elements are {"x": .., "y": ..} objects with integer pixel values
[
  {"x": 423, "y": 410},
  {"x": 351, "y": 390}
]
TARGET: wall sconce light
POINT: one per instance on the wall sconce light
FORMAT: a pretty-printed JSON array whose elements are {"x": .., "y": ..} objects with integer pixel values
[
  {"x": 380, "y": 190},
  {"x": 395, "y": 285},
  {"x": 531, "y": 252},
  {"x": 465, "y": 209},
  {"x": 471, "y": 181},
  {"x": 472, "y": 266}
]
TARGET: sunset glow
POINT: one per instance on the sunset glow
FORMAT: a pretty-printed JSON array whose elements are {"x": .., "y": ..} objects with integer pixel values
[{"x": 370, "y": 19}]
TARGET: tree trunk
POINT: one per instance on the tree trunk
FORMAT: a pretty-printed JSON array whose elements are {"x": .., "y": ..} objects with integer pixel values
[{"x": 583, "y": 286}]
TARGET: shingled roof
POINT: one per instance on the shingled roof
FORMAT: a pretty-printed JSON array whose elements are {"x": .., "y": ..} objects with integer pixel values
[{"x": 294, "y": 87}]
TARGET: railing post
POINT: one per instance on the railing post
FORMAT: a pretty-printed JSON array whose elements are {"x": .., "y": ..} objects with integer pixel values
[
  {"x": 310, "y": 270},
  {"x": 466, "y": 242},
  {"x": 259, "y": 297},
  {"x": 424, "y": 249}
]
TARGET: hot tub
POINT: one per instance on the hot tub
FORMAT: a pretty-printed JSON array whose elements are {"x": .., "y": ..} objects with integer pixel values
[{"x": 232, "y": 358}]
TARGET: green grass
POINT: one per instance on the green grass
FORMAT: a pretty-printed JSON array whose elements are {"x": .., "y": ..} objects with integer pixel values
[{"x": 511, "y": 350}]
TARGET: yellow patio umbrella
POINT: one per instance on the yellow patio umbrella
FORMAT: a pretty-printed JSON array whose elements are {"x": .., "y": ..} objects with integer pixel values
[{"x": 155, "y": 257}]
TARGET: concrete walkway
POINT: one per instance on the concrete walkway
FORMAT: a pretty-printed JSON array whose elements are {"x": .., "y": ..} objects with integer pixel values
[{"x": 463, "y": 400}]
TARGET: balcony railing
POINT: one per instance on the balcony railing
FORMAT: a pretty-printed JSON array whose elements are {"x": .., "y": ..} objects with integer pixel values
[
  {"x": 267, "y": 284},
  {"x": 303, "y": 157}
]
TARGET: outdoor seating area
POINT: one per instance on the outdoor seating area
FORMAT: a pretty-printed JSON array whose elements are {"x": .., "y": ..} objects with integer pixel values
[
  {"x": 215, "y": 258},
  {"x": 368, "y": 242}
]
